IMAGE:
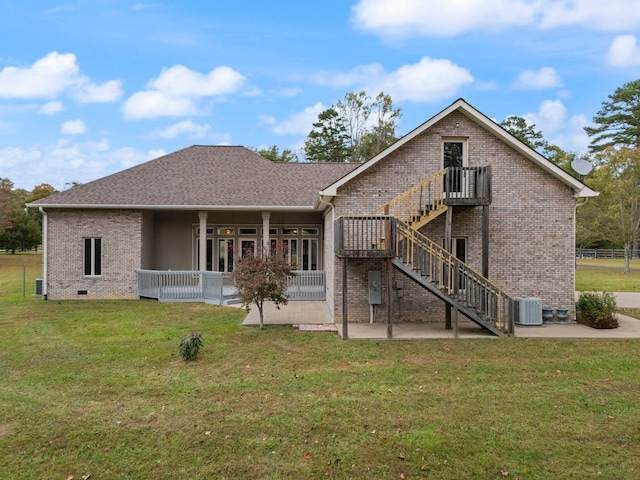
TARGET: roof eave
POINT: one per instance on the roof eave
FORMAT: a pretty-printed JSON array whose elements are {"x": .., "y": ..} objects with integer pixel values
[{"x": 299, "y": 208}]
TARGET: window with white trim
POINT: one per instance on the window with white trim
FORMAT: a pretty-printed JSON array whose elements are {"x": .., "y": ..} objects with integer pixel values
[{"x": 92, "y": 257}]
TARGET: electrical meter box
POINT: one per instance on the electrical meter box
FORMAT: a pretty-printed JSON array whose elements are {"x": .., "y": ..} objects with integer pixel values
[{"x": 375, "y": 287}]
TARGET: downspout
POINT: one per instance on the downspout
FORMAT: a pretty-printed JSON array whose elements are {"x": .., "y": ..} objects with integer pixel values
[
  {"x": 324, "y": 257},
  {"x": 575, "y": 260},
  {"x": 45, "y": 229}
]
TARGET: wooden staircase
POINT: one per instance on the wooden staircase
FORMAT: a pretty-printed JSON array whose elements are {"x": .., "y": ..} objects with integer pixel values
[
  {"x": 452, "y": 281},
  {"x": 393, "y": 234},
  {"x": 420, "y": 204}
]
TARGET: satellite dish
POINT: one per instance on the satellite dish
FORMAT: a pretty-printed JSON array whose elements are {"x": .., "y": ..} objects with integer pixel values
[{"x": 583, "y": 167}]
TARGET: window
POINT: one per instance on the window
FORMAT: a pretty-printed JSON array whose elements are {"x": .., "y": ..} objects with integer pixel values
[
  {"x": 454, "y": 156},
  {"x": 92, "y": 257}
]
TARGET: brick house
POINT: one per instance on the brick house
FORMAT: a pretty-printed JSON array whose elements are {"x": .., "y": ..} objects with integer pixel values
[{"x": 447, "y": 220}]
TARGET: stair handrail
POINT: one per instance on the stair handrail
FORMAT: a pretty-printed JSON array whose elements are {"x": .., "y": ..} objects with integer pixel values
[
  {"x": 451, "y": 274},
  {"x": 428, "y": 194}
]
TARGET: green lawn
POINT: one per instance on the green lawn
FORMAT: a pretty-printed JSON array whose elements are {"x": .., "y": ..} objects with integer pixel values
[
  {"x": 607, "y": 275},
  {"x": 96, "y": 388}
]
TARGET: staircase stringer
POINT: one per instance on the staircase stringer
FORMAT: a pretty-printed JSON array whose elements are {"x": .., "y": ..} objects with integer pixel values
[
  {"x": 451, "y": 280},
  {"x": 442, "y": 295}
]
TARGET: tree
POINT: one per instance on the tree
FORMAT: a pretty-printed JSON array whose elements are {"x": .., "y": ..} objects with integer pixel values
[
  {"x": 327, "y": 141},
  {"x": 527, "y": 134},
  {"x": 23, "y": 234},
  {"x": 260, "y": 278},
  {"x": 20, "y": 229},
  {"x": 617, "y": 208},
  {"x": 618, "y": 121},
  {"x": 383, "y": 131},
  {"x": 274, "y": 154},
  {"x": 41, "y": 191},
  {"x": 356, "y": 128},
  {"x": 5, "y": 202}
]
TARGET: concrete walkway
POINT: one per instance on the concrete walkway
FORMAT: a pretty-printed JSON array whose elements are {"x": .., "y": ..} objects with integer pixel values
[{"x": 315, "y": 316}]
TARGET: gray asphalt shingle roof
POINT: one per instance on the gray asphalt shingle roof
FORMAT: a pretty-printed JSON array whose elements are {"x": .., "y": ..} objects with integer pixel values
[{"x": 223, "y": 176}]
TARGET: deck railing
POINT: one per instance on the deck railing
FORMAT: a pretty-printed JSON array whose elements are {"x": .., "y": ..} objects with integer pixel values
[
  {"x": 364, "y": 237},
  {"x": 467, "y": 186},
  {"x": 306, "y": 285},
  {"x": 217, "y": 287}
]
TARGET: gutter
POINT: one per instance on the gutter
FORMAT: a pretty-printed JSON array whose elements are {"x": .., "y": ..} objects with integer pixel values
[{"x": 300, "y": 208}]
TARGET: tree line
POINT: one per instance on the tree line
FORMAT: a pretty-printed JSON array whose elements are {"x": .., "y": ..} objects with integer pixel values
[{"x": 20, "y": 228}]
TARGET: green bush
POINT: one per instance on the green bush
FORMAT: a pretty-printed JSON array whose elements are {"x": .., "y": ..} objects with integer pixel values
[
  {"x": 597, "y": 309},
  {"x": 189, "y": 346}
]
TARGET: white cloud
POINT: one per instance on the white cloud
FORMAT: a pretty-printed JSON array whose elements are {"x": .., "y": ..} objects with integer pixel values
[
  {"x": 152, "y": 104},
  {"x": 64, "y": 162},
  {"x": 87, "y": 92},
  {"x": 398, "y": 19},
  {"x": 16, "y": 156},
  {"x": 609, "y": 15},
  {"x": 541, "y": 79},
  {"x": 177, "y": 90},
  {"x": 430, "y": 79},
  {"x": 187, "y": 127},
  {"x": 73, "y": 127},
  {"x": 52, "y": 76},
  {"x": 46, "y": 78},
  {"x": 51, "y": 108},
  {"x": 624, "y": 52},
  {"x": 551, "y": 119},
  {"x": 179, "y": 81},
  {"x": 298, "y": 123},
  {"x": 439, "y": 18}
]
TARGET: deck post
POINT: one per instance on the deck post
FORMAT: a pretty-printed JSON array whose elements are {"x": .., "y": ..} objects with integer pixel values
[
  {"x": 389, "y": 298},
  {"x": 345, "y": 323},
  {"x": 455, "y": 322},
  {"x": 485, "y": 241}
]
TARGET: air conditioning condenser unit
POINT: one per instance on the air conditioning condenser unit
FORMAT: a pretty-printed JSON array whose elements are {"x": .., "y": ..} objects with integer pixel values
[{"x": 528, "y": 311}]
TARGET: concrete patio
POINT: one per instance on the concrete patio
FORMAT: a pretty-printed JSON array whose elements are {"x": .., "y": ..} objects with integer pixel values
[{"x": 315, "y": 316}]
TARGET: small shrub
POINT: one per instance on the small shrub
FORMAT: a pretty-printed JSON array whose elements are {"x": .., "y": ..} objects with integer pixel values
[
  {"x": 597, "y": 309},
  {"x": 189, "y": 346}
]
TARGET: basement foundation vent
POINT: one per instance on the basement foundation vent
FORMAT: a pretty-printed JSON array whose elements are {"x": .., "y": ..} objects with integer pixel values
[{"x": 528, "y": 311}]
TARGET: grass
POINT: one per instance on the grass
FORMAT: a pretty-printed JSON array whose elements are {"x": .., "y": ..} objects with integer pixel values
[
  {"x": 607, "y": 275},
  {"x": 98, "y": 388}
]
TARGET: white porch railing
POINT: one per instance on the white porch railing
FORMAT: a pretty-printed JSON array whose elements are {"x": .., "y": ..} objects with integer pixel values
[
  {"x": 216, "y": 287},
  {"x": 306, "y": 285}
]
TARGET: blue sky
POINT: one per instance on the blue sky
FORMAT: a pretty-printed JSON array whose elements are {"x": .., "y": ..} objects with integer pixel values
[{"x": 90, "y": 87}]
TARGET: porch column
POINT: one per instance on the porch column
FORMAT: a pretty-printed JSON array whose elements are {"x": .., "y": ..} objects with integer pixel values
[
  {"x": 203, "y": 241},
  {"x": 266, "y": 243}
]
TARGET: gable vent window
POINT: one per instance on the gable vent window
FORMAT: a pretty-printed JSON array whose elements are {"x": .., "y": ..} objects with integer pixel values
[{"x": 92, "y": 257}]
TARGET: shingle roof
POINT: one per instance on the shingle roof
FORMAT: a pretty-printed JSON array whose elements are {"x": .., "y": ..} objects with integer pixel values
[{"x": 206, "y": 176}]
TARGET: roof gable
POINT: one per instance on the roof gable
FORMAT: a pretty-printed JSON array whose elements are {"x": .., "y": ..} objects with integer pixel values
[{"x": 580, "y": 190}]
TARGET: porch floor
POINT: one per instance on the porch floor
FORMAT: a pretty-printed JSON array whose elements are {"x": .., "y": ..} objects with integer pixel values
[{"x": 315, "y": 316}]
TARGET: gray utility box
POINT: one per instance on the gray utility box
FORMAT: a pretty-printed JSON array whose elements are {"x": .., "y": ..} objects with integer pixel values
[
  {"x": 375, "y": 288},
  {"x": 38, "y": 286}
]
